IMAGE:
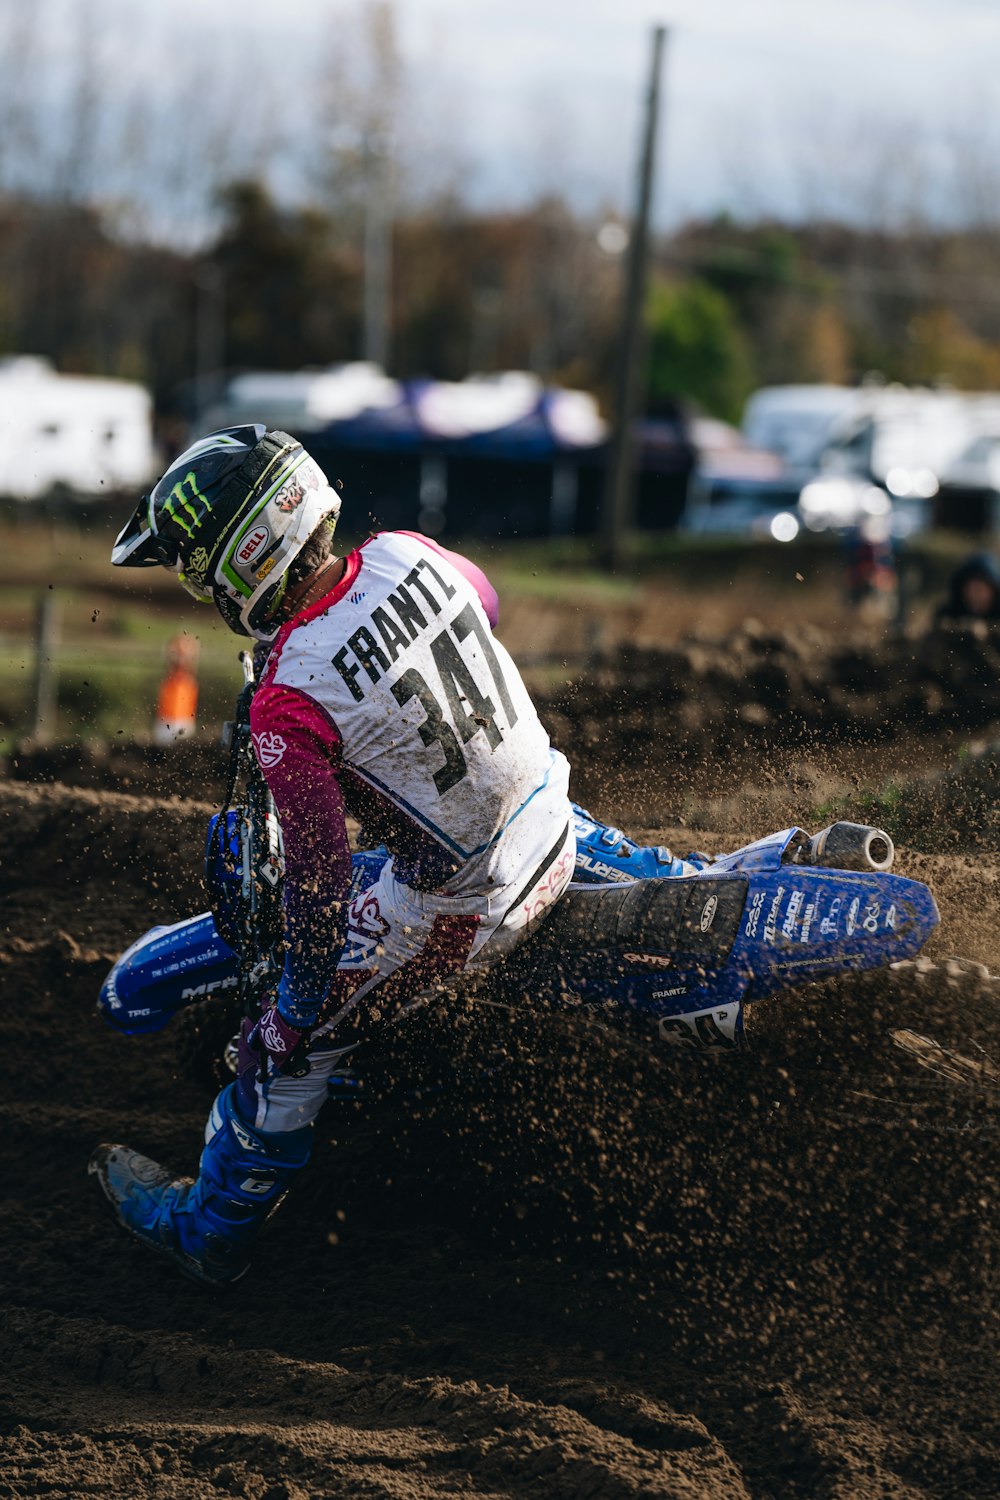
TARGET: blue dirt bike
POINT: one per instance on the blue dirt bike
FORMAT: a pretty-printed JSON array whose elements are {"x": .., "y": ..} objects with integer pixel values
[{"x": 682, "y": 954}]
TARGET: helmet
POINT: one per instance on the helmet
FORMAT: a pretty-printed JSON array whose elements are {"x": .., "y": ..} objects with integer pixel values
[{"x": 231, "y": 514}]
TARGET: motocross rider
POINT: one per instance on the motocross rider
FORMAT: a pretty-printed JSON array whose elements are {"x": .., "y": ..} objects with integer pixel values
[{"x": 385, "y": 694}]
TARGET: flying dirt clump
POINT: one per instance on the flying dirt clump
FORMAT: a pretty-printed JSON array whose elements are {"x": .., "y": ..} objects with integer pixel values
[
  {"x": 644, "y": 709},
  {"x": 763, "y": 686}
]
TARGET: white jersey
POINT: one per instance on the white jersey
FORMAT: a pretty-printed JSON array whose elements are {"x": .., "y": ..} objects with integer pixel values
[{"x": 441, "y": 751}]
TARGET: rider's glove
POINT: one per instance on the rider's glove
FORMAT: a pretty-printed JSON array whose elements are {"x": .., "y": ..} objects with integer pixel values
[{"x": 275, "y": 1040}]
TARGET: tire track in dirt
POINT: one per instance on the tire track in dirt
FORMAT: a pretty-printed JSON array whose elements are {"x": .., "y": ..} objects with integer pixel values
[{"x": 362, "y": 1428}]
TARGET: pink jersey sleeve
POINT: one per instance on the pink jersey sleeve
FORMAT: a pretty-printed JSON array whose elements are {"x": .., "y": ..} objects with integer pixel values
[
  {"x": 298, "y": 748},
  {"x": 470, "y": 571}
]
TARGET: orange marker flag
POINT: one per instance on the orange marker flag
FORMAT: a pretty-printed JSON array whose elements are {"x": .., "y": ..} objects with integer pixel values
[{"x": 177, "y": 700}]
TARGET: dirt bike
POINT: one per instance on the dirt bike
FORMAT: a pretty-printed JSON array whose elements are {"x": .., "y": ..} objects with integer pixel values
[{"x": 683, "y": 956}]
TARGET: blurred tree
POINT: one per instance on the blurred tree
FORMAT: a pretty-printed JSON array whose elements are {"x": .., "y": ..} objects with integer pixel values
[
  {"x": 831, "y": 301},
  {"x": 942, "y": 348},
  {"x": 78, "y": 149},
  {"x": 360, "y": 93},
  {"x": 20, "y": 72},
  {"x": 76, "y": 293},
  {"x": 292, "y": 293},
  {"x": 359, "y": 126},
  {"x": 487, "y": 292},
  {"x": 825, "y": 354},
  {"x": 748, "y": 265},
  {"x": 697, "y": 349}
]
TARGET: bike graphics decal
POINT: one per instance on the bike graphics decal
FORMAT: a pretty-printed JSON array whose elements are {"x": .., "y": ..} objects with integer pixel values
[
  {"x": 817, "y": 915},
  {"x": 771, "y": 925},
  {"x": 753, "y": 914},
  {"x": 209, "y": 987},
  {"x": 802, "y": 915},
  {"x": 792, "y": 910},
  {"x": 830, "y": 925},
  {"x": 713, "y": 1028}
]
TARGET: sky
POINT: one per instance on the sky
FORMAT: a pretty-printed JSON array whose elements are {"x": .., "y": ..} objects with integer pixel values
[
  {"x": 760, "y": 99},
  {"x": 795, "y": 107}
]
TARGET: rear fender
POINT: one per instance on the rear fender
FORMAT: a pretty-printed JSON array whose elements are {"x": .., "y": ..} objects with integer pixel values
[
  {"x": 765, "y": 854},
  {"x": 804, "y": 923},
  {"x": 687, "y": 953}
]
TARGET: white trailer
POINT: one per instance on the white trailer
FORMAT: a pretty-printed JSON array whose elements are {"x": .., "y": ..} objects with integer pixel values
[
  {"x": 73, "y": 434},
  {"x": 898, "y": 436},
  {"x": 303, "y": 400}
]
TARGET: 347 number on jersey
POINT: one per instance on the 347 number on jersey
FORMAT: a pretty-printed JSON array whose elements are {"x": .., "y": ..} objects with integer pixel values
[{"x": 469, "y": 710}]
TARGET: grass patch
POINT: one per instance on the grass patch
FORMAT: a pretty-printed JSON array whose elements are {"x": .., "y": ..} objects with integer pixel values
[
  {"x": 108, "y": 663},
  {"x": 947, "y": 810},
  {"x": 874, "y": 807}
]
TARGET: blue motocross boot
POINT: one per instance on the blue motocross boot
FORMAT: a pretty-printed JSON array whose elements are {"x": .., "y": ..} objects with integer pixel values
[
  {"x": 207, "y": 1227},
  {"x": 606, "y": 855}
]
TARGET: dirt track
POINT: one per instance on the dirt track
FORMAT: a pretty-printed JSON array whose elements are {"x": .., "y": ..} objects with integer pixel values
[{"x": 616, "y": 1275}]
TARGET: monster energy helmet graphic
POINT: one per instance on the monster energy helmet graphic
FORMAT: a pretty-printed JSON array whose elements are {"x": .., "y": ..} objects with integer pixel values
[{"x": 229, "y": 516}]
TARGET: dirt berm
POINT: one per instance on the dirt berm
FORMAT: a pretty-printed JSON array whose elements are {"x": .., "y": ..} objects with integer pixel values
[
  {"x": 708, "y": 711},
  {"x": 602, "y": 1271},
  {"x": 645, "y": 720}
]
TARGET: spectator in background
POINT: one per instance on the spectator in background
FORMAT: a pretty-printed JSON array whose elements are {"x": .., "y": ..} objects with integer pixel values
[
  {"x": 872, "y": 581},
  {"x": 974, "y": 591}
]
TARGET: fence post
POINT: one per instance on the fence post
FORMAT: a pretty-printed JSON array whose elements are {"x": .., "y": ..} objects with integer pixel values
[{"x": 45, "y": 672}]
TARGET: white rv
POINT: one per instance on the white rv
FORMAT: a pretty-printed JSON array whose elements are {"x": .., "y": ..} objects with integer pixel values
[{"x": 75, "y": 434}]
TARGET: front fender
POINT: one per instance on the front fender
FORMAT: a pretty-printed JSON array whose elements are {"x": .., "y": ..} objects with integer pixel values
[{"x": 165, "y": 970}]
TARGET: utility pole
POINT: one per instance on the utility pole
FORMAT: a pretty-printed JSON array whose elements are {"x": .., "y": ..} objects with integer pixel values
[
  {"x": 619, "y": 485},
  {"x": 378, "y": 245}
]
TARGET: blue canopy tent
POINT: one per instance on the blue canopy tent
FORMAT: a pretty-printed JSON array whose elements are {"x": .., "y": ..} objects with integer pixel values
[{"x": 503, "y": 458}]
